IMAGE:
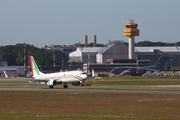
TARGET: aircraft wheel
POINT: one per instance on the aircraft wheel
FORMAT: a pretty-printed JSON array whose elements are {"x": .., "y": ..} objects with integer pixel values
[
  {"x": 65, "y": 86},
  {"x": 51, "y": 86}
]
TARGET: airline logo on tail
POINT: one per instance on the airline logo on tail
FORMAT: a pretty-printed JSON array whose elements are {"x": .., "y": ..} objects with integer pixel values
[{"x": 34, "y": 68}]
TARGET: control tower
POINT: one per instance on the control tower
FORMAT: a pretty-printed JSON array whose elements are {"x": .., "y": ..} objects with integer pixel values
[{"x": 131, "y": 31}]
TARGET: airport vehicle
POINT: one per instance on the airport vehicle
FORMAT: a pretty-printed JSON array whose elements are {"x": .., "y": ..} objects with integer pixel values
[
  {"x": 75, "y": 77},
  {"x": 138, "y": 71}
]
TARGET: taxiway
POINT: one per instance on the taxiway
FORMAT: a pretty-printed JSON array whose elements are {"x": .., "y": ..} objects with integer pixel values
[{"x": 125, "y": 90}]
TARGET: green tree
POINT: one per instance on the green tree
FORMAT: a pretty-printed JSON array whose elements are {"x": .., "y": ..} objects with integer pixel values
[{"x": 14, "y": 55}]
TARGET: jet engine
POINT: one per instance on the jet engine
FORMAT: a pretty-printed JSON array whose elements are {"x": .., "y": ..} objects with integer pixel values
[
  {"x": 52, "y": 82},
  {"x": 76, "y": 83}
]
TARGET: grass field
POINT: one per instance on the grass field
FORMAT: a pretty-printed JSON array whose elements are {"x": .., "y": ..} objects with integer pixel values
[
  {"x": 109, "y": 82},
  {"x": 45, "y": 105}
]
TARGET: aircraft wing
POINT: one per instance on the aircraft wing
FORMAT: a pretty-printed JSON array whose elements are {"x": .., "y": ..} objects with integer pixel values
[
  {"x": 151, "y": 69},
  {"x": 37, "y": 80}
]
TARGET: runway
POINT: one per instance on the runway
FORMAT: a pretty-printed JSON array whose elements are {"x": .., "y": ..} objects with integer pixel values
[{"x": 123, "y": 90}]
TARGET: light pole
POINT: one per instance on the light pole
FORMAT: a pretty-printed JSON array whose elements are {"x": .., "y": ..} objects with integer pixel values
[{"x": 171, "y": 63}]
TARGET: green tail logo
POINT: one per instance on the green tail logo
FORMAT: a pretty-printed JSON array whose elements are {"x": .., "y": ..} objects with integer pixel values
[{"x": 34, "y": 67}]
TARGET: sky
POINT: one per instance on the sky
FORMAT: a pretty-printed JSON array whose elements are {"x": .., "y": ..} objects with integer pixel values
[{"x": 66, "y": 22}]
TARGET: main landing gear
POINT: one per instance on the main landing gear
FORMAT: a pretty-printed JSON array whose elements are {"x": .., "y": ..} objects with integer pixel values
[
  {"x": 65, "y": 86},
  {"x": 51, "y": 86}
]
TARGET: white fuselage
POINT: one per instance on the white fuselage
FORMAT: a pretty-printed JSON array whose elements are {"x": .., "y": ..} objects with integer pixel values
[{"x": 68, "y": 76}]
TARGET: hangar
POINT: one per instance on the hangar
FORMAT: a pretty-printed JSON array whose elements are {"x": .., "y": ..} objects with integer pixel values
[{"x": 103, "y": 58}]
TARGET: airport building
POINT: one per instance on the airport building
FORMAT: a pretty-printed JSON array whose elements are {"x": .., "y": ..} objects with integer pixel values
[
  {"x": 13, "y": 70},
  {"x": 66, "y": 49},
  {"x": 116, "y": 54}
]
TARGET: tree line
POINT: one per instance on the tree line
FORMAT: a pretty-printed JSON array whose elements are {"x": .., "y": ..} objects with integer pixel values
[
  {"x": 14, "y": 55},
  {"x": 149, "y": 43}
]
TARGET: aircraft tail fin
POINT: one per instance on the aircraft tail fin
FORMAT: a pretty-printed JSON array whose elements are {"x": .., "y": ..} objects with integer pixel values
[
  {"x": 34, "y": 68},
  {"x": 5, "y": 74},
  {"x": 162, "y": 60},
  {"x": 93, "y": 73}
]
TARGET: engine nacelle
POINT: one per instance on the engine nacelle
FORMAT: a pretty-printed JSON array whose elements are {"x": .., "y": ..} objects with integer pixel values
[
  {"x": 51, "y": 82},
  {"x": 76, "y": 83}
]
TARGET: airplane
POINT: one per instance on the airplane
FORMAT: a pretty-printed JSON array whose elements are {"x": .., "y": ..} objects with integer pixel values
[
  {"x": 52, "y": 79},
  {"x": 139, "y": 71}
]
